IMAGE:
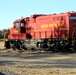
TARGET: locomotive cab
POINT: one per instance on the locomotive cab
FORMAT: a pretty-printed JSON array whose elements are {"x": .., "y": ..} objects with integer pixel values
[
  {"x": 17, "y": 34},
  {"x": 20, "y": 25}
]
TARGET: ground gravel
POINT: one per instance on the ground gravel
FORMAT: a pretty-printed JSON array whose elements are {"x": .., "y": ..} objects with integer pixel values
[{"x": 36, "y": 63}]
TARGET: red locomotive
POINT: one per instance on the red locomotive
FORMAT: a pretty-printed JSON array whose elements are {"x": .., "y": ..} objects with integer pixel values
[{"x": 53, "y": 31}]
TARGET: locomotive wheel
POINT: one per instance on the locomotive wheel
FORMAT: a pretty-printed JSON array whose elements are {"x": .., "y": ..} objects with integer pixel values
[
  {"x": 24, "y": 48},
  {"x": 7, "y": 44},
  {"x": 39, "y": 45},
  {"x": 14, "y": 48}
]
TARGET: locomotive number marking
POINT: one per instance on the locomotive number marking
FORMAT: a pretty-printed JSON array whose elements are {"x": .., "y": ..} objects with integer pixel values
[{"x": 16, "y": 31}]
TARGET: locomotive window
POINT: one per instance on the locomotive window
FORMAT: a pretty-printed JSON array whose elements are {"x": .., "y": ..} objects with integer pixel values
[
  {"x": 72, "y": 17},
  {"x": 16, "y": 25},
  {"x": 22, "y": 25}
]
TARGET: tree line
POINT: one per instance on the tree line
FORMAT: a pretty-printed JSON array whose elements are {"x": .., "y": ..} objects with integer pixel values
[{"x": 2, "y": 33}]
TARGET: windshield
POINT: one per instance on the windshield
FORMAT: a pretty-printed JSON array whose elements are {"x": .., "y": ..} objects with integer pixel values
[{"x": 16, "y": 25}]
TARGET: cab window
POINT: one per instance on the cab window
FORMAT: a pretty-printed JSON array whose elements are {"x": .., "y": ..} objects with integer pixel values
[
  {"x": 22, "y": 25},
  {"x": 16, "y": 25}
]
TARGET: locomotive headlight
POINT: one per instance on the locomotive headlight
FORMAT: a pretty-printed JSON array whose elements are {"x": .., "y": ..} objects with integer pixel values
[
  {"x": 31, "y": 39},
  {"x": 66, "y": 38},
  {"x": 39, "y": 40},
  {"x": 49, "y": 39},
  {"x": 16, "y": 40},
  {"x": 16, "y": 31},
  {"x": 6, "y": 39}
]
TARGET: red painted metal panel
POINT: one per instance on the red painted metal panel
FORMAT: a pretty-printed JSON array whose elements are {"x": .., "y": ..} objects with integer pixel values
[{"x": 47, "y": 26}]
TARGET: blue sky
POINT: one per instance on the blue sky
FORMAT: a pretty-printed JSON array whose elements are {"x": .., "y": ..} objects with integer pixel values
[{"x": 11, "y": 10}]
